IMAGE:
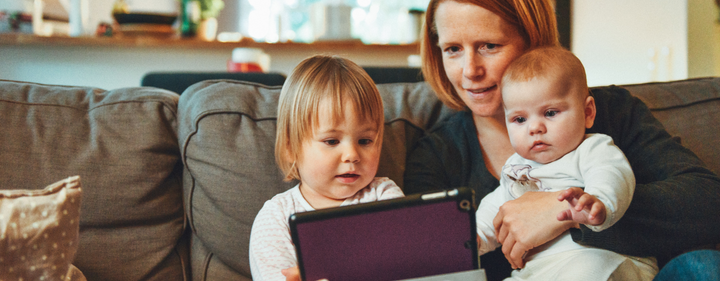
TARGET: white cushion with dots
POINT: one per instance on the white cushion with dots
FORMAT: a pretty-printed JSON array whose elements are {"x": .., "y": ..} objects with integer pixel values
[{"x": 39, "y": 232}]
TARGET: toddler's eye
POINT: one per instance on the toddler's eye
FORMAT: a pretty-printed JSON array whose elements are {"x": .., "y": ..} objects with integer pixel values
[
  {"x": 365, "y": 141},
  {"x": 331, "y": 142},
  {"x": 519, "y": 120},
  {"x": 551, "y": 113}
]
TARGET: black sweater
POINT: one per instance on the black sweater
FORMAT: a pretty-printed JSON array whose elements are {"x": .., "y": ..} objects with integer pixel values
[{"x": 676, "y": 205}]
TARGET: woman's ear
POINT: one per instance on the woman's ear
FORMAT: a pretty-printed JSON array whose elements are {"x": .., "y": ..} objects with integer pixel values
[{"x": 590, "y": 111}]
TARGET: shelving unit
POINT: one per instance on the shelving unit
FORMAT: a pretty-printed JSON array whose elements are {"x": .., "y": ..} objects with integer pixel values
[
  {"x": 116, "y": 62},
  {"x": 180, "y": 43}
]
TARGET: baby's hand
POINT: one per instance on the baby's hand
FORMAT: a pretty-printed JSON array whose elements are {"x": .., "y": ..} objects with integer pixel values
[{"x": 584, "y": 208}]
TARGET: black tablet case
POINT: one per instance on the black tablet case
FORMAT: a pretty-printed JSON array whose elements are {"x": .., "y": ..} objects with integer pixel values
[{"x": 418, "y": 235}]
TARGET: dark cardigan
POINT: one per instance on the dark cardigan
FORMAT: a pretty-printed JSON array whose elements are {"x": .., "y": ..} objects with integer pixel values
[{"x": 677, "y": 199}]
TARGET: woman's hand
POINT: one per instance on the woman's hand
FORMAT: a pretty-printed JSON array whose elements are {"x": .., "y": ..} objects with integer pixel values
[{"x": 528, "y": 222}]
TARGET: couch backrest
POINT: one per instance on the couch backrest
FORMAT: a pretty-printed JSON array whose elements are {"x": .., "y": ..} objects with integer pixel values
[
  {"x": 689, "y": 109},
  {"x": 227, "y": 136},
  {"x": 123, "y": 145}
]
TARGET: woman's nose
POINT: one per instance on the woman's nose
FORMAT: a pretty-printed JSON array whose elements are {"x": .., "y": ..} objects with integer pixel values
[{"x": 473, "y": 66}]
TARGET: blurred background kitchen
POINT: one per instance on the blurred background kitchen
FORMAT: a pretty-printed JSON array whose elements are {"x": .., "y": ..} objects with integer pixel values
[{"x": 80, "y": 42}]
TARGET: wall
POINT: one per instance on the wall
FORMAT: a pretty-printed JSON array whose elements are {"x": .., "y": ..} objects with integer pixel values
[
  {"x": 110, "y": 67},
  {"x": 619, "y": 42},
  {"x": 622, "y": 42},
  {"x": 703, "y": 39}
]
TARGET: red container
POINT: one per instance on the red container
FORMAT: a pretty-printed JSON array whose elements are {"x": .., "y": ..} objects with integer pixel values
[{"x": 233, "y": 66}]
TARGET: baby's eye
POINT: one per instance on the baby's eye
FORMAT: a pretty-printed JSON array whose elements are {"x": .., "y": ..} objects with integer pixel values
[
  {"x": 365, "y": 141},
  {"x": 551, "y": 113},
  {"x": 331, "y": 142},
  {"x": 519, "y": 120}
]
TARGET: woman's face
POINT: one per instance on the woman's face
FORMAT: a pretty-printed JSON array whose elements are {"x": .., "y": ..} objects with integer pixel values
[{"x": 476, "y": 47}]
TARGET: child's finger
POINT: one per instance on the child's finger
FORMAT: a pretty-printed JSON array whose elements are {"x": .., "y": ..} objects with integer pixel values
[
  {"x": 565, "y": 215},
  {"x": 583, "y": 202},
  {"x": 565, "y": 195},
  {"x": 597, "y": 213},
  {"x": 570, "y": 193}
]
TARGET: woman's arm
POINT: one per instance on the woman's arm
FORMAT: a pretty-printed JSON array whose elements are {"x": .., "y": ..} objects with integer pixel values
[
  {"x": 425, "y": 168},
  {"x": 677, "y": 199}
]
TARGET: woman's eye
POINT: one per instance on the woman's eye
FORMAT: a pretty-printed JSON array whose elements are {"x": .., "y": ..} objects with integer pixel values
[
  {"x": 551, "y": 113},
  {"x": 331, "y": 142},
  {"x": 365, "y": 141},
  {"x": 452, "y": 50},
  {"x": 489, "y": 48}
]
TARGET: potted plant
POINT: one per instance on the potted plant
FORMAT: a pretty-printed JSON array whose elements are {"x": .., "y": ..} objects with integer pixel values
[{"x": 209, "y": 10}]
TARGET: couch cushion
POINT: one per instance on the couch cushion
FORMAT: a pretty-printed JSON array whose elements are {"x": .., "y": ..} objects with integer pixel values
[
  {"x": 689, "y": 109},
  {"x": 39, "y": 231},
  {"x": 227, "y": 138},
  {"x": 123, "y": 143}
]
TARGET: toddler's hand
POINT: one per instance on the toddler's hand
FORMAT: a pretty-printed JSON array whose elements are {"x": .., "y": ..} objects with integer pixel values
[
  {"x": 293, "y": 274},
  {"x": 584, "y": 208}
]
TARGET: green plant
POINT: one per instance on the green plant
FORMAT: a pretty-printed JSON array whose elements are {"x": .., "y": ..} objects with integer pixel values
[{"x": 210, "y": 8}]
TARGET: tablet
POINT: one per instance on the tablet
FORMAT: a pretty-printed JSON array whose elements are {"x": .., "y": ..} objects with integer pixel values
[{"x": 410, "y": 237}]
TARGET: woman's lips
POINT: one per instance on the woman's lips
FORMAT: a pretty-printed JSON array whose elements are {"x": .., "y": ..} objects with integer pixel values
[{"x": 480, "y": 90}]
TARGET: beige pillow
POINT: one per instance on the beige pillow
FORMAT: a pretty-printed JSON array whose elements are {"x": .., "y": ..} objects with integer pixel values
[{"x": 39, "y": 232}]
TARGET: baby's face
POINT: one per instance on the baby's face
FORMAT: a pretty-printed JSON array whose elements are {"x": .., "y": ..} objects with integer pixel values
[
  {"x": 339, "y": 159},
  {"x": 546, "y": 117}
]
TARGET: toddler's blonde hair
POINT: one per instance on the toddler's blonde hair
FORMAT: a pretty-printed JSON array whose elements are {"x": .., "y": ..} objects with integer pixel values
[{"x": 317, "y": 79}]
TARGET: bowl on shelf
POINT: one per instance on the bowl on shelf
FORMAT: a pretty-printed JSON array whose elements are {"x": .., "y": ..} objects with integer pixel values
[
  {"x": 149, "y": 18},
  {"x": 145, "y": 24}
]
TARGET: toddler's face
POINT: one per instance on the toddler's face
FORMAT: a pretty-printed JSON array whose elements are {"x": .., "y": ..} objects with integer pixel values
[
  {"x": 339, "y": 159},
  {"x": 546, "y": 117}
]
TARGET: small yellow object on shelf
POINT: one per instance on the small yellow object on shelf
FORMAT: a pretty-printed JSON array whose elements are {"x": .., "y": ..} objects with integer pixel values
[{"x": 120, "y": 7}]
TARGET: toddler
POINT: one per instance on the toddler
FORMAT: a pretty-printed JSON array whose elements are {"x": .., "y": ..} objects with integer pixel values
[
  {"x": 329, "y": 135},
  {"x": 547, "y": 109}
]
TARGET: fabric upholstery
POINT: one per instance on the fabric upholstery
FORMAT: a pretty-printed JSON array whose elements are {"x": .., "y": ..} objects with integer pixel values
[
  {"x": 39, "y": 230},
  {"x": 690, "y": 110},
  {"x": 123, "y": 143},
  {"x": 179, "y": 81},
  {"x": 227, "y": 138}
]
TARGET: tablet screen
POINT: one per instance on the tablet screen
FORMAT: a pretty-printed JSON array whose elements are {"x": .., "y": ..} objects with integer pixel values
[{"x": 402, "y": 238}]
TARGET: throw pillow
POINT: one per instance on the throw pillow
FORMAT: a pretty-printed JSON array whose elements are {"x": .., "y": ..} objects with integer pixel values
[{"x": 39, "y": 232}]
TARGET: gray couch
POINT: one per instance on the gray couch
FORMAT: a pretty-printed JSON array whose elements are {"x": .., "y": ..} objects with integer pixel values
[{"x": 171, "y": 184}]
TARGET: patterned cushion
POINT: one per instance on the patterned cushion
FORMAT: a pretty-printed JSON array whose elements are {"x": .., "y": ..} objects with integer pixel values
[{"x": 39, "y": 231}]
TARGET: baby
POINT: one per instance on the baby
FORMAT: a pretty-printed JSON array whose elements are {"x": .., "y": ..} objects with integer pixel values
[
  {"x": 329, "y": 136},
  {"x": 547, "y": 109}
]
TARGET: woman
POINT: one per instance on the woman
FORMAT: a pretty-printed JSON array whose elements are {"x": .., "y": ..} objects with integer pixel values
[{"x": 467, "y": 45}]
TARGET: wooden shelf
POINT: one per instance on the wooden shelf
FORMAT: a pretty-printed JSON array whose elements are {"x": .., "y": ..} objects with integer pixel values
[{"x": 180, "y": 43}]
